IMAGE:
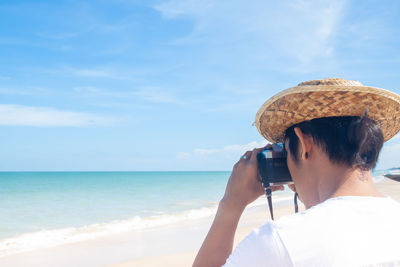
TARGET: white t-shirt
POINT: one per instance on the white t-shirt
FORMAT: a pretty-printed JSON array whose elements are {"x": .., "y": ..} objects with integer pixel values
[{"x": 342, "y": 231}]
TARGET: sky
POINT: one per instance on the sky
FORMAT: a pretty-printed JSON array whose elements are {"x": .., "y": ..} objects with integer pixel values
[{"x": 129, "y": 85}]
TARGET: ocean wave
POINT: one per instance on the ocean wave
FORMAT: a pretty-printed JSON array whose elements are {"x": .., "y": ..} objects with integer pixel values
[
  {"x": 161, "y": 217},
  {"x": 50, "y": 238}
]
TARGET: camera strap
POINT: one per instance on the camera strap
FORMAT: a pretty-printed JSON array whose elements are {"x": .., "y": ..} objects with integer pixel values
[{"x": 268, "y": 193}]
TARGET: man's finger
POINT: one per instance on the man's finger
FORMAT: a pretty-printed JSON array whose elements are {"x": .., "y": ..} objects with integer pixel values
[
  {"x": 246, "y": 156},
  {"x": 254, "y": 153},
  {"x": 277, "y": 188},
  {"x": 292, "y": 187}
]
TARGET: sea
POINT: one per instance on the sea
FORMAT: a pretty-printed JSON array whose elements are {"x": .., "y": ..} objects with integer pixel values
[{"x": 44, "y": 209}]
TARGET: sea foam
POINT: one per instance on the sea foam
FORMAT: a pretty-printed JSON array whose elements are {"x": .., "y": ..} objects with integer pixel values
[
  {"x": 50, "y": 238},
  {"x": 64, "y": 235}
]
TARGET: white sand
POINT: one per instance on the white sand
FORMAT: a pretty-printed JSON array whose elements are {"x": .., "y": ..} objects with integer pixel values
[
  {"x": 250, "y": 220},
  {"x": 253, "y": 220},
  {"x": 176, "y": 242},
  {"x": 172, "y": 245}
]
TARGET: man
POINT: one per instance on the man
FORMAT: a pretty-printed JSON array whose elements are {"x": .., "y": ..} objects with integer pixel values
[{"x": 333, "y": 131}]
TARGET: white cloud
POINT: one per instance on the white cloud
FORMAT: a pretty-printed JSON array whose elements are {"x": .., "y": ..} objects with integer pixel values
[
  {"x": 11, "y": 91},
  {"x": 183, "y": 155},
  {"x": 244, "y": 148},
  {"x": 96, "y": 73},
  {"x": 149, "y": 93},
  {"x": 157, "y": 95},
  {"x": 229, "y": 150},
  {"x": 93, "y": 72},
  {"x": 90, "y": 91},
  {"x": 301, "y": 30},
  {"x": 18, "y": 115},
  {"x": 58, "y": 35}
]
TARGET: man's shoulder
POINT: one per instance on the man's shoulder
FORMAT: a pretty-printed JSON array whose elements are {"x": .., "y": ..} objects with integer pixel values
[
  {"x": 340, "y": 225},
  {"x": 266, "y": 238},
  {"x": 262, "y": 247},
  {"x": 336, "y": 225},
  {"x": 345, "y": 209}
]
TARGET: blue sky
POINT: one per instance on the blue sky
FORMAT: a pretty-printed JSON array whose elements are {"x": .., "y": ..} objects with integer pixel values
[{"x": 173, "y": 85}]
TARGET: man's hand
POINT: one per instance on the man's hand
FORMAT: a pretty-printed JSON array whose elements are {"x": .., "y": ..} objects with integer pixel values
[{"x": 244, "y": 185}]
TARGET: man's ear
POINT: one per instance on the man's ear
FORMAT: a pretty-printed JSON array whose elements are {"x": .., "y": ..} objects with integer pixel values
[{"x": 305, "y": 142}]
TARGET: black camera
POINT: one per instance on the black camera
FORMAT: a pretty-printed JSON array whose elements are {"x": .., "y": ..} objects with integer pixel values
[
  {"x": 272, "y": 166},
  {"x": 273, "y": 170}
]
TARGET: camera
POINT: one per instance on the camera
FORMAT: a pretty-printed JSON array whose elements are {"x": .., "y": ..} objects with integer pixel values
[{"x": 272, "y": 166}]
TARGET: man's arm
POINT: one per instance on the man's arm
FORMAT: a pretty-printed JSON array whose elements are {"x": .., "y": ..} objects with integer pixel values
[
  {"x": 243, "y": 188},
  {"x": 218, "y": 244}
]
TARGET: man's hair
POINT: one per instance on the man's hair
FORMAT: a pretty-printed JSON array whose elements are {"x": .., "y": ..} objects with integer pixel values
[{"x": 352, "y": 140}]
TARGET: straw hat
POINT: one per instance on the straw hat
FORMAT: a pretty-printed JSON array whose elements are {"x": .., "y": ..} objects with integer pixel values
[{"x": 328, "y": 98}]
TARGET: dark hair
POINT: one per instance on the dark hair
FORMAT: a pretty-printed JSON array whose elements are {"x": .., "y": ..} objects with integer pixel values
[{"x": 352, "y": 140}]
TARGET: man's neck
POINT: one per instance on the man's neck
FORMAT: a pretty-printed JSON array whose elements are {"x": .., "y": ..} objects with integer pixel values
[{"x": 342, "y": 181}]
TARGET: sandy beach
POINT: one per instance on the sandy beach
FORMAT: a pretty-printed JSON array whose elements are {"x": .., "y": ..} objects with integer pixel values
[
  {"x": 122, "y": 122},
  {"x": 168, "y": 245},
  {"x": 253, "y": 218}
]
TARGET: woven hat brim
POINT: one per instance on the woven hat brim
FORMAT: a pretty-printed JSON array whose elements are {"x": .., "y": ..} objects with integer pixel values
[{"x": 301, "y": 103}]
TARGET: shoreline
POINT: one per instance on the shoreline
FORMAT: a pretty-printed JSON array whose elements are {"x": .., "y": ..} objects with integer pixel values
[
  {"x": 148, "y": 244},
  {"x": 44, "y": 239},
  {"x": 387, "y": 187},
  {"x": 173, "y": 244},
  {"x": 250, "y": 220}
]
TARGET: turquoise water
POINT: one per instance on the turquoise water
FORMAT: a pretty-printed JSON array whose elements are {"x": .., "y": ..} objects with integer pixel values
[
  {"x": 33, "y": 201},
  {"x": 42, "y": 209}
]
